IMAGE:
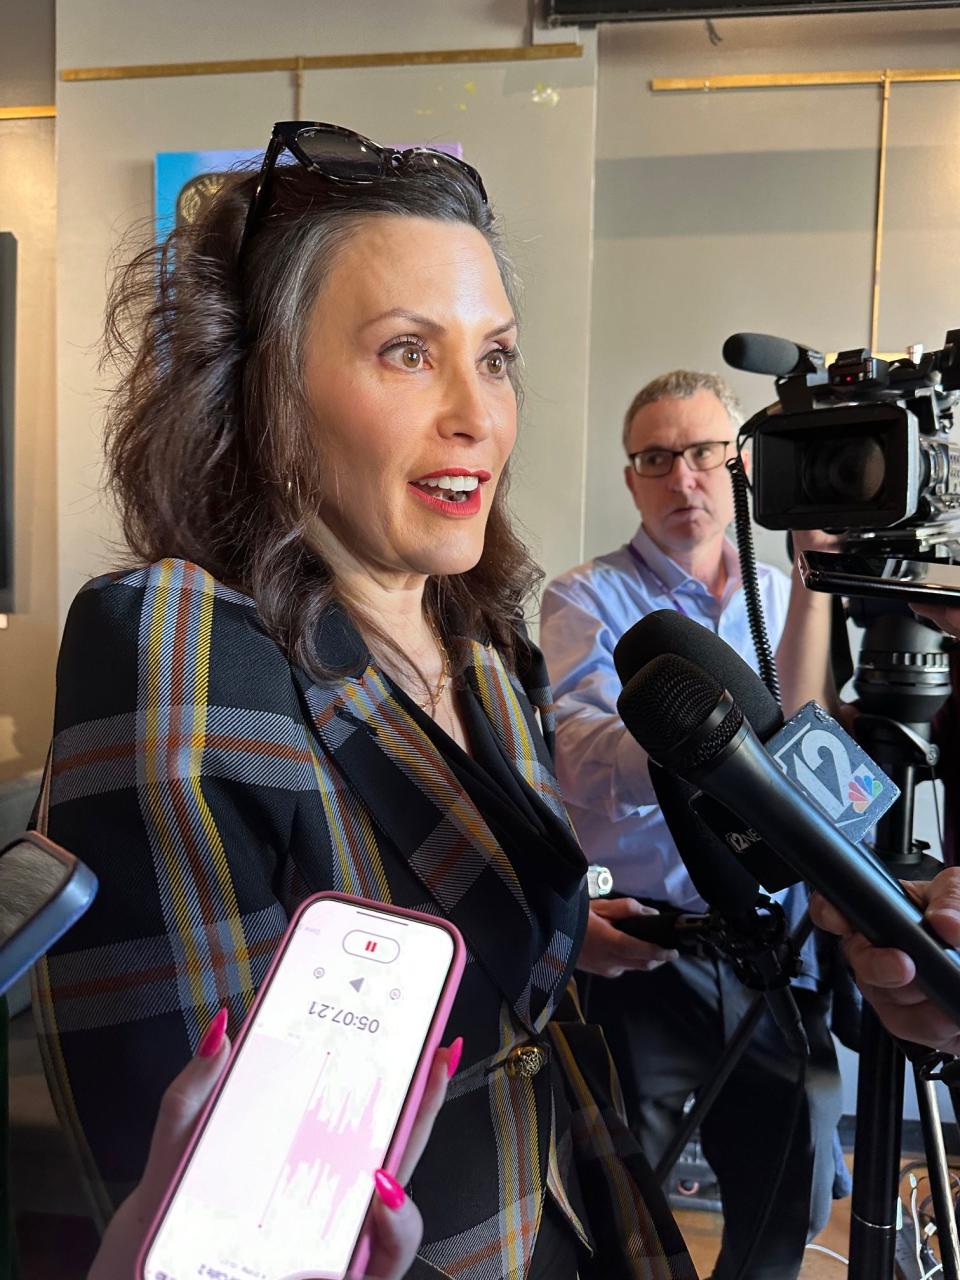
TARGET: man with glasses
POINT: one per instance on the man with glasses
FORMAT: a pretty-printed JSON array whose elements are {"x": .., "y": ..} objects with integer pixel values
[{"x": 667, "y": 1018}]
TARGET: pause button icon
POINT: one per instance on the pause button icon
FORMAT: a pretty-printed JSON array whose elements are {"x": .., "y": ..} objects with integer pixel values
[{"x": 376, "y": 947}]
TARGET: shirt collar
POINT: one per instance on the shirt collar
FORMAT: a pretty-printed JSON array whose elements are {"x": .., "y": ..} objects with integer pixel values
[{"x": 673, "y": 576}]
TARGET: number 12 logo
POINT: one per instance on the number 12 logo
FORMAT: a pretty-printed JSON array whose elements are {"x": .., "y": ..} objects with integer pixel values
[{"x": 854, "y": 785}]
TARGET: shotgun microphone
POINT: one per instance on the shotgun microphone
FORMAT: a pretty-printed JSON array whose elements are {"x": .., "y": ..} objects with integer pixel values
[{"x": 775, "y": 357}]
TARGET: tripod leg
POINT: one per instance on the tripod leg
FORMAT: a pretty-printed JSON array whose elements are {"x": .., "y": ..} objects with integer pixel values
[
  {"x": 732, "y": 1054},
  {"x": 876, "y": 1156},
  {"x": 939, "y": 1173},
  {"x": 708, "y": 1096}
]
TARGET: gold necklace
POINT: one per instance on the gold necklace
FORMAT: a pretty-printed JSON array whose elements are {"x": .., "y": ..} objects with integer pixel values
[{"x": 435, "y": 695}]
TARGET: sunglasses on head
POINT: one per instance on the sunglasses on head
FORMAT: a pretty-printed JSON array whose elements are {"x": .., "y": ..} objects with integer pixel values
[{"x": 348, "y": 158}]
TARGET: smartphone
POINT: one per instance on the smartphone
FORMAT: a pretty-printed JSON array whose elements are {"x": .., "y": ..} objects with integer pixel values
[
  {"x": 43, "y": 891},
  {"x": 322, "y": 1088},
  {"x": 858, "y": 574}
]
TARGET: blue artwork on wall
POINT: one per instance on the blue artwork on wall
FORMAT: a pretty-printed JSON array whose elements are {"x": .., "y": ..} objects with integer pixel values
[
  {"x": 184, "y": 178},
  {"x": 179, "y": 179}
]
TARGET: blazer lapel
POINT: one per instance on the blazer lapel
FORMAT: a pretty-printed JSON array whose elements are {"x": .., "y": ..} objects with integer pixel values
[
  {"x": 418, "y": 804},
  {"x": 509, "y": 706},
  {"x": 509, "y": 709}
]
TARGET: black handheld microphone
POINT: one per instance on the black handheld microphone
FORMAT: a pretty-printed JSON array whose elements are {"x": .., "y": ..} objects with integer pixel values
[
  {"x": 683, "y": 931},
  {"x": 727, "y": 882},
  {"x": 775, "y": 357},
  {"x": 687, "y": 721}
]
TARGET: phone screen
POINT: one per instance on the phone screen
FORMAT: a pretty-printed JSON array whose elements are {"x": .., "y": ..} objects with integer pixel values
[
  {"x": 852, "y": 573},
  {"x": 29, "y": 878},
  {"x": 281, "y": 1178}
]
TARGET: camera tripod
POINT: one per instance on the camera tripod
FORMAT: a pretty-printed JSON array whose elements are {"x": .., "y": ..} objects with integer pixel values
[
  {"x": 764, "y": 959},
  {"x": 902, "y": 679}
]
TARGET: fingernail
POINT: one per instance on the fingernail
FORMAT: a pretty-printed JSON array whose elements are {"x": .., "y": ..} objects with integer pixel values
[
  {"x": 389, "y": 1189},
  {"x": 209, "y": 1045},
  {"x": 454, "y": 1056},
  {"x": 890, "y": 970}
]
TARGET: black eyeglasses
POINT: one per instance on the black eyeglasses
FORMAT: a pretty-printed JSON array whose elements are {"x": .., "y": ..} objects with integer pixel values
[
  {"x": 705, "y": 455},
  {"x": 347, "y": 158}
]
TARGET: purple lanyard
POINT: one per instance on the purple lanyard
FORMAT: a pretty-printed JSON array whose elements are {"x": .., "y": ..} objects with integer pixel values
[{"x": 657, "y": 579}]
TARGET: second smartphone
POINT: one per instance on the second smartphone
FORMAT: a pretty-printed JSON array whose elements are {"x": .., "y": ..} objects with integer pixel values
[
  {"x": 322, "y": 1089},
  {"x": 858, "y": 574},
  {"x": 44, "y": 890}
]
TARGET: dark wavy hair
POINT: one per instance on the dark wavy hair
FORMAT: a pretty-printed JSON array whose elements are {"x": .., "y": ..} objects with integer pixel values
[{"x": 209, "y": 450}]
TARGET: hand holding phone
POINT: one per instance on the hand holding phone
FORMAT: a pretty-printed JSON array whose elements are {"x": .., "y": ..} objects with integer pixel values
[
  {"x": 322, "y": 1088},
  {"x": 395, "y": 1233}
]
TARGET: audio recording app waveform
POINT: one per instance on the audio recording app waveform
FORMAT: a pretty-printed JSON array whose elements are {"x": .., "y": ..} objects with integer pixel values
[
  {"x": 282, "y": 1176},
  {"x": 334, "y": 1148}
]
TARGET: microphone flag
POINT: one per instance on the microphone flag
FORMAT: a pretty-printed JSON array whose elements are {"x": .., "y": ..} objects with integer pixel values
[{"x": 834, "y": 773}]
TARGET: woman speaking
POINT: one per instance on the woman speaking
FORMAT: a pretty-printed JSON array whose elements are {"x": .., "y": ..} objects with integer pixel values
[{"x": 312, "y": 674}]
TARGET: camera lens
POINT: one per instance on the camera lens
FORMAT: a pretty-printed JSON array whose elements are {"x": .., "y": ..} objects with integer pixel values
[{"x": 844, "y": 472}]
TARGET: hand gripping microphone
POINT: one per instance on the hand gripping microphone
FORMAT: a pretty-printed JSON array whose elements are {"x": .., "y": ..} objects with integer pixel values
[{"x": 690, "y": 724}]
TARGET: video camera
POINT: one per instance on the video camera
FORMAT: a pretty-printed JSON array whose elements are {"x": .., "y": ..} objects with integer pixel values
[{"x": 861, "y": 445}]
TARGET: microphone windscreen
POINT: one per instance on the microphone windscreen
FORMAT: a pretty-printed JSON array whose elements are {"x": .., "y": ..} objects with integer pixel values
[
  {"x": 666, "y": 701},
  {"x": 661, "y": 705},
  {"x": 666, "y": 631},
  {"x": 762, "y": 353},
  {"x": 722, "y": 879}
]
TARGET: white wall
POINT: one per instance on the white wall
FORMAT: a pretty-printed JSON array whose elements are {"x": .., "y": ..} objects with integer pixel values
[
  {"x": 754, "y": 209},
  {"x": 535, "y": 151}
]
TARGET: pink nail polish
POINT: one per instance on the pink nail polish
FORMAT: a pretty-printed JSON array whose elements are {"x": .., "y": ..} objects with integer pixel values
[
  {"x": 453, "y": 1061},
  {"x": 209, "y": 1045},
  {"x": 389, "y": 1189}
]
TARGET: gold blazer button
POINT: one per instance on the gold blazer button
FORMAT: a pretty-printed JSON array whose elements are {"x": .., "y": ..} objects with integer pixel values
[{"x": 525, "y": 1060}]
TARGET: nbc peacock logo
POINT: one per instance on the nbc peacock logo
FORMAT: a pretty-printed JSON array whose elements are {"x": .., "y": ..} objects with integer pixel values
[{"x": 862, "y": 789}]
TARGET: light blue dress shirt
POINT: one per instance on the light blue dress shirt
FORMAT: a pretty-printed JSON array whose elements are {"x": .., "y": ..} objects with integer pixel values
[{"x": 602, "y": 769}]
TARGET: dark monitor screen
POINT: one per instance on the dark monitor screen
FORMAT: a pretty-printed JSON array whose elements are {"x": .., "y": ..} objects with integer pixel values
[{"x": 8, "y": 319}]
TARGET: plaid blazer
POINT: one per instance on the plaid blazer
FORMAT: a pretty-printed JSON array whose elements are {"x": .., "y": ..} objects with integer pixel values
[{"x": 212, "y": 786}]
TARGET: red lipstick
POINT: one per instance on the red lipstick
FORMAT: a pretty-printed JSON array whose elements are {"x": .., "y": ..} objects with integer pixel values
[{"x": 455, "y": 510}]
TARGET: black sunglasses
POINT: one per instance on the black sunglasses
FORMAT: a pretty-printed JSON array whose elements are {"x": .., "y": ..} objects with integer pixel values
[{"x": 345, "y": 157}]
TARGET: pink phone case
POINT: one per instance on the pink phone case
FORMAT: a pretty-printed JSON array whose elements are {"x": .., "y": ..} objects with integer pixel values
[{"x": 418, "y": 1084}]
